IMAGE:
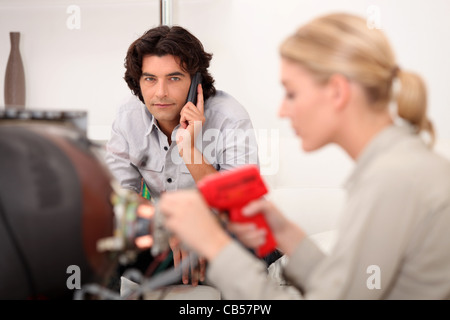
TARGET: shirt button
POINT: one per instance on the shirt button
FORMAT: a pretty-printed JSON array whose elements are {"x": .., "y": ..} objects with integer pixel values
[
  {"x": 165, "y": 148},
  {"x": 169, "y": 180}
]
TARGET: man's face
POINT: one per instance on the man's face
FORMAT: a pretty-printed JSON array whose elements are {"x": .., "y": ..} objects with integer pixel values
[{"x": 164, "y": 85}]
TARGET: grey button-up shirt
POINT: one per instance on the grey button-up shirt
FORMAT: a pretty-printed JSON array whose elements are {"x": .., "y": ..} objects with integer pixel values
[{"x": 228, "y": 140}]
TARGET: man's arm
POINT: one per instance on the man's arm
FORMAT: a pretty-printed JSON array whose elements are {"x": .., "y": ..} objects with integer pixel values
[
  {"x": 197, "y": 165},
  {"x": 118, "y": 161},
  {"x": 191, "y": 123}
]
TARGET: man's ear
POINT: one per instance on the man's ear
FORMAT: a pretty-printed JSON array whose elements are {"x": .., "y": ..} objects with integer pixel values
[{"x": 339, "y": 89}]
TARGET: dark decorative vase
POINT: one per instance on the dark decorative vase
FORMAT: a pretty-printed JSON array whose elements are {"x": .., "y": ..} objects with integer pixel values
[{"x": 15, "y": 76}]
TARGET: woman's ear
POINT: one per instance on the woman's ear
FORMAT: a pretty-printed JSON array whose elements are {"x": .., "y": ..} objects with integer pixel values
[{"x": 339, "y": 91}]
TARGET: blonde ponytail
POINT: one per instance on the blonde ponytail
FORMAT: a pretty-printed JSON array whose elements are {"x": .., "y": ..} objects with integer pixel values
[
  {"x": 412, "y": 102},
  {"x": 342, "y": 43}
]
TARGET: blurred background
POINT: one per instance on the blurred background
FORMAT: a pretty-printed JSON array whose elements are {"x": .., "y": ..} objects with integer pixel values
[{"x": 73, "y": 54}]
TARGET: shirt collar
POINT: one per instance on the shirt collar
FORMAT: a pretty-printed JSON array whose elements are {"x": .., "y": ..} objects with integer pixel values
[
  {"x": 151, "y": 124},
  {"x": 149, "y": 119}
]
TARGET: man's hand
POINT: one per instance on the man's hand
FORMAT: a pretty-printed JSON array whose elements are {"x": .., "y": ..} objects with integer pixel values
[
  {"x": 198, "y": 268},
  {"x": 191, "y": 121},
  {"x": 187, "y": 215}
]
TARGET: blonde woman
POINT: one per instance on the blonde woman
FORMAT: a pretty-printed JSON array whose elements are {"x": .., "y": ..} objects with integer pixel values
[{"x": 340, "y": 78}]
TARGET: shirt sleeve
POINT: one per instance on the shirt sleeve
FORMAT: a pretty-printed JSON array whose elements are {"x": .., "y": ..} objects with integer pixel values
[
  {"x": 240, "y": 275},
  {"x": 239, "y": 145},
  {"x": 375, "y": 229},
  {"x": 302, "y": 263},
  {"x": 118, "y": 160}
]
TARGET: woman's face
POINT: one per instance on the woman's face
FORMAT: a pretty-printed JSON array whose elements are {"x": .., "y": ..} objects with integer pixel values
[{"x": 308, "y": 105}]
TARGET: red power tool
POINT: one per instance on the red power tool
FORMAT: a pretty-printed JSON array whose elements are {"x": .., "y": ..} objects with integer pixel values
[{"x": 230, "y": 191}]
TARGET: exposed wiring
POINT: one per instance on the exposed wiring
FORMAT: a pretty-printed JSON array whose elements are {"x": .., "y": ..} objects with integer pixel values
[
  {"x": 165, "y": 263},
  {"x": 161, "y": 259},
  {"x": 158, "y": 281}
]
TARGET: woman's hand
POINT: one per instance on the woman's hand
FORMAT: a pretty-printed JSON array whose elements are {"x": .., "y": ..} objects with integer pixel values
[{"x": 287, "y": 234}]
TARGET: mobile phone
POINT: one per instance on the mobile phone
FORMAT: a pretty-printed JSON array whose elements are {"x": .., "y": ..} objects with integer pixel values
[{"x": 192, "y": 95}]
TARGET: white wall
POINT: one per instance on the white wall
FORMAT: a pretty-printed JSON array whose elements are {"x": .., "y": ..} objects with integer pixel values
[{"x": 83, "y": 69}]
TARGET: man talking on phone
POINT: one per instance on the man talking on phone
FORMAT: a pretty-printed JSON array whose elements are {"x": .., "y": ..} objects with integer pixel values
[{"x": 161, "y": 141}]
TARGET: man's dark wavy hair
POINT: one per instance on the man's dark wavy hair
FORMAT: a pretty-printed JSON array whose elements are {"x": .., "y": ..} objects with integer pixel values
[{"x": 164, "y": 40}]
